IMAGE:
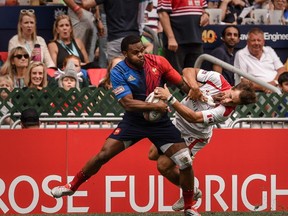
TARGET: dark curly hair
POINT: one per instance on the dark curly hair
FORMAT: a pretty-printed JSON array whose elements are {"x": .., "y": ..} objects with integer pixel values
[{"x": 247, "y": 94}]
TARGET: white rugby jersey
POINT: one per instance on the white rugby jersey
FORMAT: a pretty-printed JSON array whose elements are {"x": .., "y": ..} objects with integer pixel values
[{"x": 213, "y": 83}]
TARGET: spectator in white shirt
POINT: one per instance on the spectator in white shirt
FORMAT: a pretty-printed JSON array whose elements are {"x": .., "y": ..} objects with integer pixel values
[{"x": 258, "y": 60}]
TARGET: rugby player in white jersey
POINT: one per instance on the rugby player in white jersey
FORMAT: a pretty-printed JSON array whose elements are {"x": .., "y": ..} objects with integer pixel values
[{"x": 196, "y": 115}]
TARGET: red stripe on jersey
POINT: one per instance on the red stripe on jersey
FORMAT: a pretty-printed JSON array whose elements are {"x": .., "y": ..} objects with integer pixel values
[
  {"x": 191, "y": 145},
  {"x": 157, "y": 68},
  {"x": 224, "y": 84},
  {"x": 228, "y": 110},
  {"x": 181, "y": 7}
]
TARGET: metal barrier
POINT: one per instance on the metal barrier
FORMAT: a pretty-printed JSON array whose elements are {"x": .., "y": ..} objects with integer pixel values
[
  {"x": 76, "y": 122},
  {"x": 260, "y": 123},
  {"x": 233, "y": 69},
  {"x": 67, "y": 122}
]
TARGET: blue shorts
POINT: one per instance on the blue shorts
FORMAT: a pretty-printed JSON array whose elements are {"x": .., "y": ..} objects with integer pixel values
[{"x": 159, "y": 133}]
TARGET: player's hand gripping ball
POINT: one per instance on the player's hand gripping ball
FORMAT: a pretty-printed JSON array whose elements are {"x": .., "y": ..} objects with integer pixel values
[{"x": 152, "y": 115}]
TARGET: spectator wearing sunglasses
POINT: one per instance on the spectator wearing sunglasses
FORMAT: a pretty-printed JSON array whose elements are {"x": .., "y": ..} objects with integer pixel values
[
  {"x": 27, "y": 38},
  {"x": 16, "y": 66}
]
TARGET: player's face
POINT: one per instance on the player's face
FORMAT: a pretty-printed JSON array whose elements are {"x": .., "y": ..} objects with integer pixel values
[
  {"x": 231, "y": 98},
  {"x": 135, "y": 55}
]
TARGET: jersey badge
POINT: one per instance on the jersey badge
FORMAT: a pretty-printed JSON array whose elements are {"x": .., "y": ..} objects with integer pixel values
[
  {"x": 131, "y": 78},
  {"x": 210, "y": 118},
  {"x": 117, "y": 131}
]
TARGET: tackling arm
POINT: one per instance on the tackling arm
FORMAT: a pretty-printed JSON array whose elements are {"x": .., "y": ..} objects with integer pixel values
[
  {"x": 185, "y": 112},
  {"x": 188, "y": 114},
  {"x": 190, "y": 77},
  {"x": 130, "y": 104}
]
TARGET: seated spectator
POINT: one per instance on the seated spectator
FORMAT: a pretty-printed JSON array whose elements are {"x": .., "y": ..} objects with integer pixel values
[
  {"x": 231, "y": 9},
  {"x": 81, "y": 73},
  {"x": 6, "y": 84},
  {"x": 280, "y": 5},
  {"x": 27, "y": 38},
  {"x": 69, "y": 78},
  {"x": 16, "y": 66},
  {"x": 283, "y": 85},
  {"x": 226, "y": 51},
  {"x": 283, "y": 82},
  {"x": 30, "y": 119},
  {"x": 86, "y": 22},
  {"x": 67, "y": 81},
  {"x": 36, "y": 77},
  {"x": 285, "y": 13},
  {"x": 213, "y": 4},
  {"x": 64, "y": 43},
  {"x": 258, "y": 60}
]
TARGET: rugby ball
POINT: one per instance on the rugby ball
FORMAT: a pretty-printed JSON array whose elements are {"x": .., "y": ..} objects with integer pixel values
[{"x": 152, "y": 115}]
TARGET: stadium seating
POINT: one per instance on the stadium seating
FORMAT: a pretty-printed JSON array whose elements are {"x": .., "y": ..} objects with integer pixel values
[{"x": 96, "y": 75}]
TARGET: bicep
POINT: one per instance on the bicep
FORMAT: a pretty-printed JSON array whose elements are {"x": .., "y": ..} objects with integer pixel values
[{"x": 124, "y": 101}]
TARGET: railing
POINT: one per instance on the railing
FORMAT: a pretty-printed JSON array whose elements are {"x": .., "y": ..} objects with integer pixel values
[
  {"x": 100, "y": 105},
  {"x": 214, "y": 60},
  {"x": 260, "y": 123},
  {"x": 65, "y": 122}
]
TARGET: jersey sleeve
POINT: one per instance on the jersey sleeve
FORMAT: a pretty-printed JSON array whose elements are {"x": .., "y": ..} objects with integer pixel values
[
  {"x": 214, "y": 79},
  {"x": 119, "y": 85},
  {"x": 170, "y": 74},
  {"x": 217, "y": 115},
  {"x": 164, "y": 5}
]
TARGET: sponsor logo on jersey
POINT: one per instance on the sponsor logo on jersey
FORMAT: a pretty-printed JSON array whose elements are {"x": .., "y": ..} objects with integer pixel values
[
  {"x": 131, "y": 78},
  {"x": 210, "y": 118},
  {"x": 118, "y": 90}
]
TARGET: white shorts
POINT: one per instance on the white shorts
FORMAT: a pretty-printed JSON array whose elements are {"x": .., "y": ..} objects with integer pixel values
[{"x": 195, "y": 144}]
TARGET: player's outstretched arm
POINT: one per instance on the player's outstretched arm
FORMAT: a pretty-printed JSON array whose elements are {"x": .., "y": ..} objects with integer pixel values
[{"x": 185, "y": 112}]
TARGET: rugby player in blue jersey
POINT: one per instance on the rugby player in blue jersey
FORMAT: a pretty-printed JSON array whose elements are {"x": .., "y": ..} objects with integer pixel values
[{"x": 133, "y": 79}]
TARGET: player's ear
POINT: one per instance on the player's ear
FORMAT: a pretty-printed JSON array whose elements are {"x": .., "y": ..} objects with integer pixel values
[{"x": 124, "y": 53}]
